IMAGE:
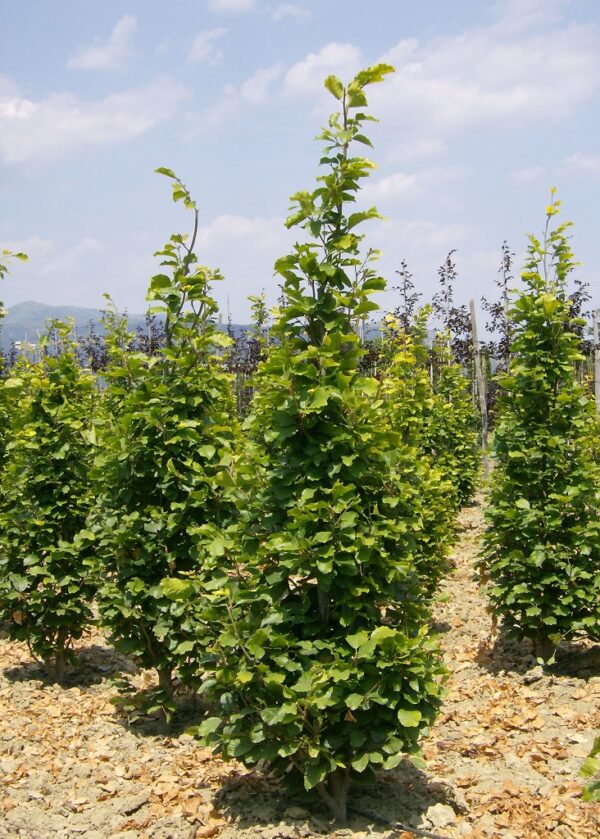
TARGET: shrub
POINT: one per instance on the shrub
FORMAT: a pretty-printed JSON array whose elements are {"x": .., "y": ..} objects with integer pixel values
[
  {"x": 591, "y": 770},
  {"x": 409, "y": 404},
  {"x": 163, "y": 466},
  {"x": 5, "y": 257},
  {"x": 324, "y": 662},
  {"x": 46, "y": 583},
  {"x": 542, "y": 546},
  {"x": 453, "y": 439}
]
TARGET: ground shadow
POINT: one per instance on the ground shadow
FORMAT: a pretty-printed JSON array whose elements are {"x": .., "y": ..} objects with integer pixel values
[
  {"x": 93, "y": 664},
  {"x": 138, "y": 711},
  {"x": 441, "y": 626},
  {"x": 400, "y": 797},
  {"x": 577, "y": 659}
]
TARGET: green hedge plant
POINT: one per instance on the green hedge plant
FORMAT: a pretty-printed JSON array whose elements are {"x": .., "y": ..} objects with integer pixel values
[
  {"x": 5, "y": 258},
  {"x": 410, "y": 403},
  {"x": 47, "y": 582},
  {"x": 542, "y": 546},
  {"x": 453, "y": 436},
  {"x": 164, "y": 462},
  {"x": 324, "y": 665}
]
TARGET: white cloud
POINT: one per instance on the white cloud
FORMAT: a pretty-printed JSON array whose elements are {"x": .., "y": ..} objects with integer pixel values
[
  {"x": 45, "y": 258},
  {"x": 584, "y": 162},
  {"x": 265, "y": 232},
  {"x": 62, "y": 121},
  {"x": 417, "y": 149},
  {"x": 489, "y": 74},
  {"x": 245, "y": 249},
  {"x": 110, "y": 54},
  {"x": 424, "y": 244},
  {"x": 306, "y": 77},
  {"x": 51, "y": 265},
  {"x": 404, "y": 185},
  {"x": 64, "y": 262},
  {"x": 422, "y": 234},
  {"x": 519, "y": 15},
  {"x": 254, "y": 91},
  {"x": 231, "y": 6},
  {"x": 36, "y": 247},
  {"x": 205, "y": 46},
  {"x": 290, "y": 11}
]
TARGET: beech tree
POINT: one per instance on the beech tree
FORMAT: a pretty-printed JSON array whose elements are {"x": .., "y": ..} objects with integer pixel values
[
  {"x": 47, "y": 582},
  {"x": 410, "y": 402},
  {"x": 324, "y": 663},
  {"x": 163, "y": 464},
  {"x": 453, "y": 438},
  {"x": 5, "y": 258},
  {"x": 542, "y": 545}
]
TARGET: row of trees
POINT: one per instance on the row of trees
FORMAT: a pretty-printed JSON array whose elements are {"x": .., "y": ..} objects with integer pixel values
[
  {"x": 542, "y": 546},
  {"x": 284, "y": 569}
]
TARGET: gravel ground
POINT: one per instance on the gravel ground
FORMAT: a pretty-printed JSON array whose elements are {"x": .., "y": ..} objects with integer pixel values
[{"x": 502, "y": 760}]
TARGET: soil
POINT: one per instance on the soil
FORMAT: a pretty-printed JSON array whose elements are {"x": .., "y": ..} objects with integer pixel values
[{"x": 503, "y": 759}]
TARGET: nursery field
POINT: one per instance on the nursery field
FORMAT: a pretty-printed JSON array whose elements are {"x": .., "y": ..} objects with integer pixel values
[
  {"x": 503, "y": 758},
  {"x": 305, "y": 581}
]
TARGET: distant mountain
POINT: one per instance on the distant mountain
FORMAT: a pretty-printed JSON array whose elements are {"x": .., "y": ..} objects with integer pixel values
[{"x": 26, "y": 321}]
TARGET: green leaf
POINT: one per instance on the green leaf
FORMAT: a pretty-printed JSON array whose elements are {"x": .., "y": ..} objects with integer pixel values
[
  {"x": 209, "y": 726},
  {"x": 354, "y": 701},
  {"x": 358, "y": 639},
  {"x": 590, "y": 767},
  {"x": 207, "y": 451},
  {"x": 359, "y": 764},
  {"x": 334, "y": 86},
  {"x": 319, "y": 398},
  {"x": 162, "y": 170},
  {"x": 409, "y": 719},
  {"x": 314, "y": 773},
  {"x": 176, "y": 589},
  {"x": 373, "y": 74}
]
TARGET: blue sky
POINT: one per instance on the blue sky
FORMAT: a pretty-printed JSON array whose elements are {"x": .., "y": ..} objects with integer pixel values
[{"x": 491, "y": 104}]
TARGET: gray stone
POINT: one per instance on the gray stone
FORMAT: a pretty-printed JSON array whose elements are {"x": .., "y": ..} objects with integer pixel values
[
  {"x": 296, "y": 814},
  {"x": 133, "y": 803},
  {"x": 439, "y": 816},
  {"x": 534, "y": 675}
]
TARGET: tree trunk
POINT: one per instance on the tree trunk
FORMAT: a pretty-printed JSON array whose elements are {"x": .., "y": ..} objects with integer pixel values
[
  {"x": 57, "y": 667},
  {"x": 334, "y": 793},
  {"x": 544, "y": 647},
  {"x": 165, "y": 682}
]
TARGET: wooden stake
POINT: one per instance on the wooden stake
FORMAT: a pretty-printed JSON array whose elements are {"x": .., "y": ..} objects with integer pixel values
[
  {"x": 479, "y": 374},
  {"x": 596, "y": 359}
]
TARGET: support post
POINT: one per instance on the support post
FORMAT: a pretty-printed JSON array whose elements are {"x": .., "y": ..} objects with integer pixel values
[
  {"x": 481, "y": 390},
  {"x": 596, "y": 359}
]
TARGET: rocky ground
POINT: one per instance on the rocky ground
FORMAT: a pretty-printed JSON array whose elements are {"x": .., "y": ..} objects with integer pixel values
[{"x": 502, "y": 760}]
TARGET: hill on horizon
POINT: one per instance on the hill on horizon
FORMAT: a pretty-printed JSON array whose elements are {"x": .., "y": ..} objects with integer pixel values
[{"x": 27, "y": 321}]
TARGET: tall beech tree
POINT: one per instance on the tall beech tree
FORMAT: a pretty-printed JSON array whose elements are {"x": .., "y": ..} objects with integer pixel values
[
  {"x": 325, "y": 663},
  {"x": 542, "y": 546},
  {"x": 5, "y": 258},
  {"x": 47, "y": 582},
  {"x": 410, "y": 402},
  {"x": 164, "y": 461},
  {"x": 453, "y": 438}
]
